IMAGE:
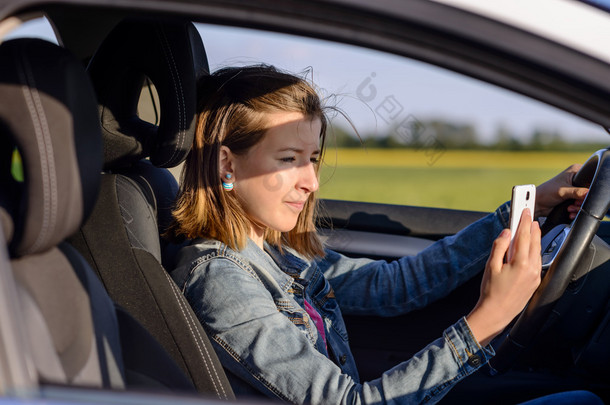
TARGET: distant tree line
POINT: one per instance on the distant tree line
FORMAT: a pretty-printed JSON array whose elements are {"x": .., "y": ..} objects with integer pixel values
[{"x": 417, "y": 134}]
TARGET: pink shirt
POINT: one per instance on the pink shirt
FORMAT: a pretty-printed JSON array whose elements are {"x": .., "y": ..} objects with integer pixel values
[{"x": 317, "y": 319}]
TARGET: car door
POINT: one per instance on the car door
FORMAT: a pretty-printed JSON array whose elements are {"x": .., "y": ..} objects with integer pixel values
[{"x": 414, "y": 153}]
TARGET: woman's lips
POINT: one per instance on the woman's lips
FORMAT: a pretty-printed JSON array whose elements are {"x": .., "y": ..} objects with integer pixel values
[{"x": 297, "y": 205}]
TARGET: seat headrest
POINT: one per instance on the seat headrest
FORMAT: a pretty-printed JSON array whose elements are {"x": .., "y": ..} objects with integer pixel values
[
  {"x": 172, "y": 56},
  {"x": 49, "y": 128}
]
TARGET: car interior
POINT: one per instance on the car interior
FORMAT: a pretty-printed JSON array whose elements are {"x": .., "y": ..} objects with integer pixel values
[
  {"x": 66, "y": 313},
  {"x": 86, "y": 195},
  {"x": 135, "y": 195},
  {"x": 134, "y": 328}
]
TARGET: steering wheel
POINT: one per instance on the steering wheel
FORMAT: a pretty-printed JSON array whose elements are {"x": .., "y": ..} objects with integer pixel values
[{"x": 595, "y": 174}]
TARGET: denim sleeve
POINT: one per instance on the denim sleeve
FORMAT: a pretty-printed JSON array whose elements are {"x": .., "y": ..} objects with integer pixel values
[
  {"x": 366, "y": 287},
  {"x": 262, "y": 347}
]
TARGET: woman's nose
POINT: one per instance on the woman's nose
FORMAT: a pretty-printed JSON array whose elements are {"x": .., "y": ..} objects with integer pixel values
[{"x": 308, "y": 179}]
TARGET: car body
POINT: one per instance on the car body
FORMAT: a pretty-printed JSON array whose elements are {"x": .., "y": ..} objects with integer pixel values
[{"x": 507, "y": 44}]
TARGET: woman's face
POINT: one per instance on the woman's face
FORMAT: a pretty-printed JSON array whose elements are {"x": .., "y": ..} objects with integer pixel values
[{"x": 274, "y": 179}]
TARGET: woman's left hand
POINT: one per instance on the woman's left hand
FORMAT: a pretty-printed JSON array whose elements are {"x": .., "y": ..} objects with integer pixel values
[{"x": 558, "y": 189}]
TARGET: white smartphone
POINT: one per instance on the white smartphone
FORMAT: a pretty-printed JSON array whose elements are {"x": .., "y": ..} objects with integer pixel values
[{"x": 523, "y": 196}]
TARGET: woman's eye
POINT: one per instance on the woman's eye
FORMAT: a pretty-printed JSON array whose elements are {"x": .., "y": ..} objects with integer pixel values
[{"x": 291, "y": 159}]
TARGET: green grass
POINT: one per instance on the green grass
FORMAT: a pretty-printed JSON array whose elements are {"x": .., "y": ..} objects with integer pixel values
[{"x": 472, "y": 180}]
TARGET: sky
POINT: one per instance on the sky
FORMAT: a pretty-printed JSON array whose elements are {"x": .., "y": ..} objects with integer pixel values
[
  {"x": 374, "y": 88},
  {"x": 423, "y": 90}
]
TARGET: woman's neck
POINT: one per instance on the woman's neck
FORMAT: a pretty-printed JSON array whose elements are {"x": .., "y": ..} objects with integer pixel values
[{"x": 258, "y": 236}]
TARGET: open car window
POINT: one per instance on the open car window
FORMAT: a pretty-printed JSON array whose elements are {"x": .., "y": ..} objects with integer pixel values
[{"x": 416, "y": 134}]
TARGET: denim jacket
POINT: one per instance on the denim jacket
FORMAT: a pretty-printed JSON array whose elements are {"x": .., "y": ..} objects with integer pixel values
[{"x": 251, "y": 304}]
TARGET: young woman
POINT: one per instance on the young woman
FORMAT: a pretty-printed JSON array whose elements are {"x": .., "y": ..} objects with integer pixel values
[{"x": 270, "y": 295}]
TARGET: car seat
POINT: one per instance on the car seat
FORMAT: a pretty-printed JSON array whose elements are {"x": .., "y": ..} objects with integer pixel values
[
  {"x": 50, "y": 152},
  {"x": 121, "y": 238}
]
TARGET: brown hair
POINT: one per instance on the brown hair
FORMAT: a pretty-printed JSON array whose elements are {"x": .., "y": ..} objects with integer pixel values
[{"x": 233, "y": 103}]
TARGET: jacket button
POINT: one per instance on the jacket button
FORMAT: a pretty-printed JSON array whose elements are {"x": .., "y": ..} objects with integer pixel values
[
  {"x": 343, "y": 359},
  {"x": 475, "y": 360}
]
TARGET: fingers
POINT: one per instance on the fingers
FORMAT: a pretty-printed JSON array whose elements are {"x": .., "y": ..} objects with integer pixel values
[
  {"x": 535, "y": 245},
  {"x": 573, "y": 169},
  {"x": 574, "y": 208},
  {"x": 547, "y": 193},
  {"x": 568, "y": 191},
  {"x": 522, "y": 236},
  {"x": 499, "y": 249},
  {"x": 574, "y": 193},
  {"x": 558, "y": 189}
]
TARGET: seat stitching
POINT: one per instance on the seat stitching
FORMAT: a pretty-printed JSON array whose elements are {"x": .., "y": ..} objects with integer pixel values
[
  {"x": 45, "y": 149},
  {"x": 167, "y": 52},
  {"x": 190, "y": 321},
  {"x": 189, "y": 325},
  {"x": 198, "y": 335},
  {"x": 123, "y": 185},
  {"x": 48, "y": 144}
]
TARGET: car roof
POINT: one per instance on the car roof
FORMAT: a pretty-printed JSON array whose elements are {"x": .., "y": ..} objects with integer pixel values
[{"x": 573, "y": 23}]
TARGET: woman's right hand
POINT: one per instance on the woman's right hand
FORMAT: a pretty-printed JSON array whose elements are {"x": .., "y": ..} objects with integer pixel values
[{"x": 507, "y": 287}]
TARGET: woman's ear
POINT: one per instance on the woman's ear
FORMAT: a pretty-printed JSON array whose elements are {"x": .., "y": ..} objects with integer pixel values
[{"x": 225, "y": 161}]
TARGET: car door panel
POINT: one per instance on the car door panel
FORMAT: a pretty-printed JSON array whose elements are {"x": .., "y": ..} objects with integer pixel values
[{"x": 383, "y": 231}]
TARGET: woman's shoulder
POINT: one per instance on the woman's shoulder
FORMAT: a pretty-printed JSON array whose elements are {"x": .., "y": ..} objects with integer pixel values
[
  {"x": 203, "y": 255},
  {"x": 205, "y": 250},
  {"x": 196, "y": 249}
]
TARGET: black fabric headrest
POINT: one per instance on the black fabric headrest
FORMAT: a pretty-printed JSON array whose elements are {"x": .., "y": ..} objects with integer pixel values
[
  {"x": 172, "y": 56},
  {"x": 49, "y": 122}
]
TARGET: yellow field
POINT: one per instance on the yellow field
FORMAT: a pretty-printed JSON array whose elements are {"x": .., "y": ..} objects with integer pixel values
[
  {"x": 474, "y": 180},
  {"x": 451, "y": 159}
]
